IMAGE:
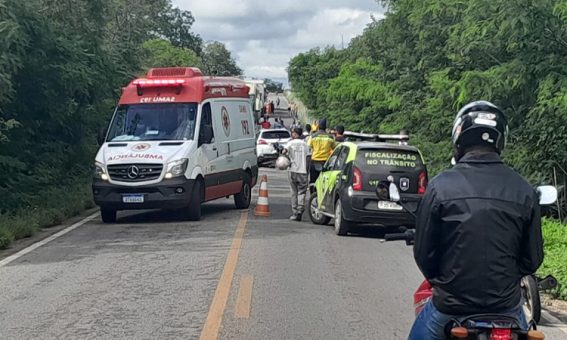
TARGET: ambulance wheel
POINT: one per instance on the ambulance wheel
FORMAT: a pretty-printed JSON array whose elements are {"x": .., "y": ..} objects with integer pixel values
[
  {"x": 108, "y": 215},
  {"x": 194, "y": 207},
  {"x": 243, "y": 198},
  {"x": 314, "y": 213}
]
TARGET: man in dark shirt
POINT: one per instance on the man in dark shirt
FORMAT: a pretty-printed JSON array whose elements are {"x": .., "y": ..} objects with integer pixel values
[
  {"x": 478, "y": 228},
  {"x": 339, "y": 135}
]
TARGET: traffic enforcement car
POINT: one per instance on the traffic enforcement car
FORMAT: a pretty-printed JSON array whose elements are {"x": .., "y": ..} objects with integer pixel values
[{"x": 346, "y": 188}]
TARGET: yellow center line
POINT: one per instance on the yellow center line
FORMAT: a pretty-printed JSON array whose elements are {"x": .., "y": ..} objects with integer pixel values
[
  {"x": 244, "y": 298},
  {"x": 216, "y": 311}
]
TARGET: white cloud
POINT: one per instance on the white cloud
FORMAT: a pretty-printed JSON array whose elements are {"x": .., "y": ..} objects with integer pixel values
[{"x": 264, "y": 36}]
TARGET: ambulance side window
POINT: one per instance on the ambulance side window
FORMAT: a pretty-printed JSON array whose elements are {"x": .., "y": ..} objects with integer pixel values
[{"x": 206, "y": 133}]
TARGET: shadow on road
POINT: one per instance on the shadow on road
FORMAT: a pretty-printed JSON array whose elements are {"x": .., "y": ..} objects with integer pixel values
[{"x": 160, "y": 216}]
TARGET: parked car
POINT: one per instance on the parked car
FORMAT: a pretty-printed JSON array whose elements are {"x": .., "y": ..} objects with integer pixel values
[
  {"x": 346, "y": 189},
  {"x": 265, "y": 149}
]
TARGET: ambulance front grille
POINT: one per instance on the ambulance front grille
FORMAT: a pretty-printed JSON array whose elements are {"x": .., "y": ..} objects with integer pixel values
[{"x": 135, "y": 172}]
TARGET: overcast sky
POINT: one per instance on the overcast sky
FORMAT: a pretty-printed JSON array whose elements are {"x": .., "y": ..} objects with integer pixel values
[{"x": 264, "y": 35}]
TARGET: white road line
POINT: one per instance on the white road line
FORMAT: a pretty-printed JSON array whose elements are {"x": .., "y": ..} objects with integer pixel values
[
  {"x": 554, "y": 322},
  {"x": 46, "y": 240}
]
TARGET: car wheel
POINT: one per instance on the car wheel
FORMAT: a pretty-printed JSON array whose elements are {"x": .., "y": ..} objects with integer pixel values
[
  {"x": 314, "y": 213},
  {"x": 341, "y": 225},
  {"x": 532, "y": 303},
  {"x": 242, "y": 199},
  {"x": 194, "y": 208},
  {"x": 108, "y": 215}
]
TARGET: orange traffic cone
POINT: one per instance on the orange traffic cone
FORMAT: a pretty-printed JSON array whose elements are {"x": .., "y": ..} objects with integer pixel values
[{"x": 263, "y": 207}]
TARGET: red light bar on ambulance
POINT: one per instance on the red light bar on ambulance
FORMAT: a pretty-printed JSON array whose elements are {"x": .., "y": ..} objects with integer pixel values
[{"x": 158, "y": 82}]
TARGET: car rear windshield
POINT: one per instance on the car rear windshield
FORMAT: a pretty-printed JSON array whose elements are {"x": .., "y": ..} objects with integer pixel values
[
  {"x": 276, "y": 135},
  {"x": 377, "y": 165}
]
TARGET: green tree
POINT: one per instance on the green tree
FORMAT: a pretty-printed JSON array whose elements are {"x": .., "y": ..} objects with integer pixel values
[
  {"x": 273, "y": 86},
  {"x": 218, "y": 60},
  {"x": 426, "y": 58},
  {"x": 161, "y": 53}
]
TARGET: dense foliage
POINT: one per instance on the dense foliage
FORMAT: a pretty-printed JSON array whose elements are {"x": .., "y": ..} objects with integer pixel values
[
  {"x": 426, "y": 58},
  {"x": 555, "y": 236},
  {"x": 62, "y": 64},
  {"x": 273, "y": 86}
]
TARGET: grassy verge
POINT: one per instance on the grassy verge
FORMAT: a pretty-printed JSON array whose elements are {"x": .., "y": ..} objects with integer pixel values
[
  {"x": 302, "y": 111},
  {"x": 53, "y": 207},
  {"x": 555, "y": 263}
]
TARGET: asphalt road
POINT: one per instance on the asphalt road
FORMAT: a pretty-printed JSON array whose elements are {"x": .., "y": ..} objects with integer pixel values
[{"x": 230, "y": 276}]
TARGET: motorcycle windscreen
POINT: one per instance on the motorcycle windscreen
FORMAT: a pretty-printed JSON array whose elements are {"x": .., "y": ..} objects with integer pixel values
[{"x": 377, "y": 164}]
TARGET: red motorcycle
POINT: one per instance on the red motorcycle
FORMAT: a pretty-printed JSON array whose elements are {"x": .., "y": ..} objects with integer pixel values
[{"x": 481, "y": 326}]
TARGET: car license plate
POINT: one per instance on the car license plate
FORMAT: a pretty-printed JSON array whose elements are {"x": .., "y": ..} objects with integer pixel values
[
  {"x": 386, "y": 205},
  {"x": 133, "y": 199}
]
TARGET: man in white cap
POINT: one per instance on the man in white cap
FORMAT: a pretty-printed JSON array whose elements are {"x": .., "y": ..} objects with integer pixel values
[{"x": 299, "y": 155}]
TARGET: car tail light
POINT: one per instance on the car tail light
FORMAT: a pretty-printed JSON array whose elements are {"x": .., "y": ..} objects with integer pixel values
[
  {"x": 158, "y": 82},
  {"x": 356, "y": 179},
  {"x": 501, "y": 334},
  {"x": 422, "y": 183},
  {"x": 262, "y": 142}
]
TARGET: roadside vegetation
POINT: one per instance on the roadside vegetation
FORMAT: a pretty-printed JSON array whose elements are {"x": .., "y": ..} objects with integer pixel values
[
  {"x": 417, "y": 66},
  {"x": 62, "y": 65},
  {"x": 555, "y": 236}
]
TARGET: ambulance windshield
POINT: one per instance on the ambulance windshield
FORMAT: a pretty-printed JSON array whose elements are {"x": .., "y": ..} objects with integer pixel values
[{"x": 153, "y": 122}]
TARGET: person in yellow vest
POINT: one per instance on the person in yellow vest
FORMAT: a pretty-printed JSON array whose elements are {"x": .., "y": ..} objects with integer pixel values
[{"x": 322, "y": 145}]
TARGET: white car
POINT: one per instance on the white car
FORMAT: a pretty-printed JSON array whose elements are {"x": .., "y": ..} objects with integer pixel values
[{"x": 265, "y": 144}]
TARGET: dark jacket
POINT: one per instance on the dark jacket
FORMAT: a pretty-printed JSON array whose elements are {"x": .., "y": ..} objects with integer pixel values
[{"x": 478, "y": 233}]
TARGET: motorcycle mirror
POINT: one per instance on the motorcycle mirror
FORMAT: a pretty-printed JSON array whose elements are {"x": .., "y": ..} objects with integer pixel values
[
  {"x": 394, "y": 192},
  {"x": 547, "y": 194}
]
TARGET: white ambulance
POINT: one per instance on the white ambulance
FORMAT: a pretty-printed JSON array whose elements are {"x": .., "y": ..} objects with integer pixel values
[{"x": 176, "y": 140}]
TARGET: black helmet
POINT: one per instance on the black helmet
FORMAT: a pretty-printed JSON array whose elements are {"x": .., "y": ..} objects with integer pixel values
[{"x": 479, "y": 123}]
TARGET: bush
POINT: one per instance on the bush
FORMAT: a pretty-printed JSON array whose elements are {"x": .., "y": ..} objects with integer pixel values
[
  {"x": 51, "y": 208},
  {"x": 555, "y": 248}
]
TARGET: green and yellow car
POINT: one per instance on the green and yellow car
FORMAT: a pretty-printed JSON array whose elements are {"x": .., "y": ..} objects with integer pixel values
[{"x": 346, "y": 188}]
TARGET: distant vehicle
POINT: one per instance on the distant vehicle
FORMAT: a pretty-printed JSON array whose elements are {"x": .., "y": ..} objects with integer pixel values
[
  {"x": 346, "y": 188},
  {"x": 257, "y": 94},
  {"x": 177, "y": 139},
  {"x": 266, "y": 140}
]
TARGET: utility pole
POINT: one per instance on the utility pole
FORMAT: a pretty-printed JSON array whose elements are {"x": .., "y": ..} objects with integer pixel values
[{"x": 343, "y": 41}]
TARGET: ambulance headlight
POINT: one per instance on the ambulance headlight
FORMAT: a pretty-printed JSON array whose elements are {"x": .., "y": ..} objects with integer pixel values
[
  {"x": 100, "y": 171},
  {"x": 176, "y": 168}
]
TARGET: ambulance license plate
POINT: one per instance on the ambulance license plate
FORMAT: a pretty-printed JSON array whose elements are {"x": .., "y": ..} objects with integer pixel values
[
  {"x": 132, "y": 198},
  {"x": 386, "y": 205}
]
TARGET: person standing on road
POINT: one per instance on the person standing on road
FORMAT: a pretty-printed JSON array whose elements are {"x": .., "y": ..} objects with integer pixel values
[
  {"x": 322, "y": 145},
  {"x": 307, "y": 132},
  {"x": 339, "y": 135},
  {"x": 299, "y": 156},
  {"x": 479, "y": 204},
  {"x": 266, "y": 124}
]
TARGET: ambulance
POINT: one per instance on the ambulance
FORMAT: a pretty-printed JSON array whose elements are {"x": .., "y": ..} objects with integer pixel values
[{"x": 176, "y": 140}]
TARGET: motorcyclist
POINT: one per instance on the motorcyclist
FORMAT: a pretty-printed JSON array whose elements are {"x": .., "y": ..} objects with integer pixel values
[{"x": 478, "y": 229}]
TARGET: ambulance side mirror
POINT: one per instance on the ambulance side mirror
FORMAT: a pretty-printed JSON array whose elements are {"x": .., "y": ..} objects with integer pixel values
[{"x": 101, "y": 136}]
